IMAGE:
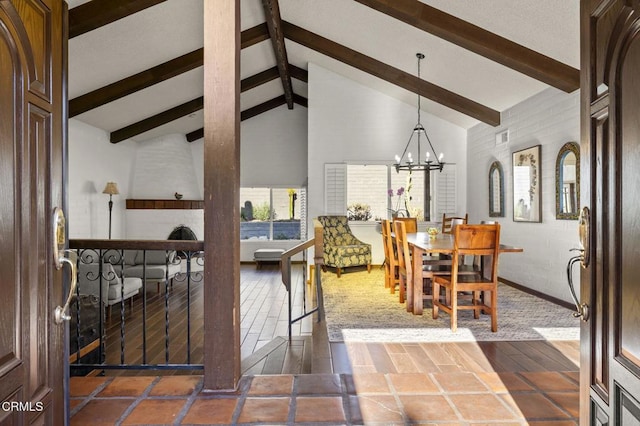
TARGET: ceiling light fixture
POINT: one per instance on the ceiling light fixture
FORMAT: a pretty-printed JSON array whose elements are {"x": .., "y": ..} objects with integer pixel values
[{"x": 426, "y": 163}]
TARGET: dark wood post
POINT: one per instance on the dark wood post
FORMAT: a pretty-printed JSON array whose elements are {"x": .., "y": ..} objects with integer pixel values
[
  {"x": 427, "y": 195},
  {"x": 222, "y": 194}
]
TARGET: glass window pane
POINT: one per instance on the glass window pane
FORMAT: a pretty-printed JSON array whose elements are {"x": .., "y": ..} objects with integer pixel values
[
  {"x": 367, "y": 191},
  {"x": 255, "y": 213},
  {"x": 286, "y": 206}
]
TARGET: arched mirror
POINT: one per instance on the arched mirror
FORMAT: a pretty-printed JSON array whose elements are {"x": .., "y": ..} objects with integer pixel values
[
  {"x": 568, "y": 181},
  {"x": 496, "y": 190}
]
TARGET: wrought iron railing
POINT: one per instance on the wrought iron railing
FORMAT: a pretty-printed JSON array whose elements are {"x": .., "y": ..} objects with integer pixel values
[{"x": 159, "y": 333}]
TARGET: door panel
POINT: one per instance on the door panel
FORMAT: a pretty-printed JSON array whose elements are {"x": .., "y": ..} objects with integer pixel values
[
  {"x": 31, "y": 124},
  {"x": 610, "y": 355},
  {"x": 600, "y": 297},
  {"x": 38, "y": 16},
  {"x": 629, "y": 338}
]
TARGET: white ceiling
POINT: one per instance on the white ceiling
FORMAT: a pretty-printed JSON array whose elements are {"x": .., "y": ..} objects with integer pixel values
[{"x": 175, "y": 27}]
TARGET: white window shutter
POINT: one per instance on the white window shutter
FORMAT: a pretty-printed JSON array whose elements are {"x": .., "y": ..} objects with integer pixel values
[
  {"x": 302, "y": 199},
  {"x": 335, "y": 189},
  {"x": 446, "y": 195}
]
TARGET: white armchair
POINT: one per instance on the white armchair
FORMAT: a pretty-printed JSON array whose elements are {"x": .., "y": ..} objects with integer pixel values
[{"x": 114, "y": 288}]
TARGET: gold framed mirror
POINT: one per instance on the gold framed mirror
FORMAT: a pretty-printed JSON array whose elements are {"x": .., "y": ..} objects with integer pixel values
[{"x": 568, "y": 181}]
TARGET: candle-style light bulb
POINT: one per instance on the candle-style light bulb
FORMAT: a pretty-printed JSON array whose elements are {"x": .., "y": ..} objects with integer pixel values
[
  {"x": 397, "y": 159},
  {"x": 441, "y": 156},
  {"x": 409, "y": 157},
  {"x": 427, "y": 155}
]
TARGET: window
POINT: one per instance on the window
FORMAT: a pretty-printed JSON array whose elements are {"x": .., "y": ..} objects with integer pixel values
[
  {"x": 349, "y": 184},
  {"x": 413, "y": 184},
  {"x": 367, "y": 187},
  {"x": 272, "y": 213}
]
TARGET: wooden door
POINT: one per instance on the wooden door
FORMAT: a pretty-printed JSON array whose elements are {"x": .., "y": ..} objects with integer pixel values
[
  {"x": 610, "y": 155},
  {"x": 31, "y": 129}
]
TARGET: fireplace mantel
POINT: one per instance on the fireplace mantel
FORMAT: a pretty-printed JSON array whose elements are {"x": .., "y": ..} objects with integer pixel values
[{"x": 165, "y": 204}]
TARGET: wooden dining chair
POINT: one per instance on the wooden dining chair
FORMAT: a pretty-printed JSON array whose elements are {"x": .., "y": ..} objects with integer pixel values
[
  {"x": 477, "y": 260},
  {"x": 406, "y": 272},
  {"x": 405, "y": 276},
  {"x": 449, "y": 223},
  {"x": 411, "y": 223},
  {"x": 472, "y": 240},
  {"x": 391, "y": 279}
]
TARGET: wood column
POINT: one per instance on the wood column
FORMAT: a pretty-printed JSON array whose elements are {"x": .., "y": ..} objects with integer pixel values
[{"x": 222, "y": 194}]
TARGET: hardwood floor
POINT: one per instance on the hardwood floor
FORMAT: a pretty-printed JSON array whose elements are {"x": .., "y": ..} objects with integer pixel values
[
  {"x": 264, "y": 326},
  {"x": 313, "y": 381}
]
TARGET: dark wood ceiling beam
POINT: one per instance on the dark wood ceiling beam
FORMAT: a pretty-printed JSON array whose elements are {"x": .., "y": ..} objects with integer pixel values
[
  {"x": 196, "y": 105},
  {"x": 274, "y": 23},
  {"x": 298, "y": 73},
  {"x": 254, "y": 35},
  {"x": 259, "y": 79},
  {"x": 154, "y": 75},
  {"x": 135, "y": 82},
  {"x": 263, "y": 107},
  {"x": 252, "y": 112},
  {"x": 94, "y": 14},
  {"x": 195, "y": 135},
  {"x": 480, "y": 41},
  {"x": 392, "y": 75},
  {"x": 157, "y": 120},
  {"x": 301, "y": 100},
  {"x": 271, "y": 74}
]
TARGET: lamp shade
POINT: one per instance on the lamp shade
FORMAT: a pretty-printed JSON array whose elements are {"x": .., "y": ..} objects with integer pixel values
[{"x": 111, "y": 188}]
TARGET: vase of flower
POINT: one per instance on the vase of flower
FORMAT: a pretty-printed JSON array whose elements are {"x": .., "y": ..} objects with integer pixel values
[{"x": 397, "y": 212}]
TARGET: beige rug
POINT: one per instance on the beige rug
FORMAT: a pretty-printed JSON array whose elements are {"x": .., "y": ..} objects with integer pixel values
[{"x": 359, "y": 308}]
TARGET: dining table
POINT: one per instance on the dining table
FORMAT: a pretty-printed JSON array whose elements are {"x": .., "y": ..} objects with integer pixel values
[{"x": 422, "y": 243}]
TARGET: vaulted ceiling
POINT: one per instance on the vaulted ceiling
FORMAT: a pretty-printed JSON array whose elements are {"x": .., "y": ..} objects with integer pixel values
[{"x": 135, "y": 66}]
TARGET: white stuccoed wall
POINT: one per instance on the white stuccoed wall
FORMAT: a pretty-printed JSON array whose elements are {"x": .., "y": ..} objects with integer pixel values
[
  {"x": 94, "y": 161},
  {"x": 550, "y": 119},
  {"x": 162, "y": 167}
]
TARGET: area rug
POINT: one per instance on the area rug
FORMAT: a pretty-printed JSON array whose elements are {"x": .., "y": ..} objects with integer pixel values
[{"x": 358, "y": 308}]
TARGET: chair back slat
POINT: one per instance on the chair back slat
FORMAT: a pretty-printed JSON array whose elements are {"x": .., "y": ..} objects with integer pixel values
[
  {"x": 405, "y": 276},
  {"x": 402, "y": 245},
  {"x": 449, "y": 223},
  {"x": 411, "y": 223},
  {"x": 386, "y": 231}
]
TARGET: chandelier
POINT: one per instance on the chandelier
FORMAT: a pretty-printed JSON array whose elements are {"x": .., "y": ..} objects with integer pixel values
[{"x": 424, "y": 160}]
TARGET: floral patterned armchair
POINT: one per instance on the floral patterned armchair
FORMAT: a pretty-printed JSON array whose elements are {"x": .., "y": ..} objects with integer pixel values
[{"x": 341, "y": 248}]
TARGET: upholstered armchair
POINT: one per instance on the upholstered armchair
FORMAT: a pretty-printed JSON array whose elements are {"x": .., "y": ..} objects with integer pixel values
[{"x": 341, "y": 249}]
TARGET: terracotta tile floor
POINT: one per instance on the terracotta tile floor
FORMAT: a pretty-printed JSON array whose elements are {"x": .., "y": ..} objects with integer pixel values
[{"x": 363, "y": 398}]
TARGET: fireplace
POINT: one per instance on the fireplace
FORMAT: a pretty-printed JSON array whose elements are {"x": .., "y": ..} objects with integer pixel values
[{"x": 182, "y": 232}]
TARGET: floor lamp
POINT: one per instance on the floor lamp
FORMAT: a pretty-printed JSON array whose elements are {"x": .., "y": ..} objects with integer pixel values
[{"x": 112, "y": 189}]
